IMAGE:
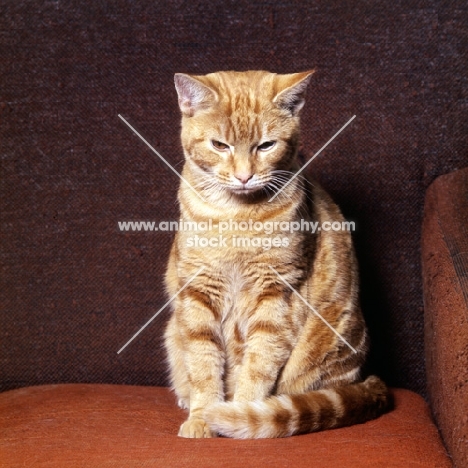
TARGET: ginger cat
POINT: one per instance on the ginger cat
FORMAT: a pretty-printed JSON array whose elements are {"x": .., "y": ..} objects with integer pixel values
[{"x": 248, "y": 357}]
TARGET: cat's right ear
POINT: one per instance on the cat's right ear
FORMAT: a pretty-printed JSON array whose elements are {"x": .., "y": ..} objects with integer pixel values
[
  {"x": 292, "y": 89},
  {"x": 193, "y": 94}
]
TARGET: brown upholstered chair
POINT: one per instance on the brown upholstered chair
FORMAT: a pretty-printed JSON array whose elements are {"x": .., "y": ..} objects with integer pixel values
[{"x": 74, "y": 288}]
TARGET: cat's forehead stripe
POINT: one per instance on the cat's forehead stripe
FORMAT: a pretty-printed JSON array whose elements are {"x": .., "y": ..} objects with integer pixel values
[{"x": 242, "y": 125}]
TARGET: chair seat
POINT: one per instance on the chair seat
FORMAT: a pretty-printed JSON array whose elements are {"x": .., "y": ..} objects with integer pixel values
[{"x": 89, "y": 425}]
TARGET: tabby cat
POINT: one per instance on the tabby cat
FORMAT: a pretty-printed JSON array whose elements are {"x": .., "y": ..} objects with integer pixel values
[{"x": 267, "y": 338}]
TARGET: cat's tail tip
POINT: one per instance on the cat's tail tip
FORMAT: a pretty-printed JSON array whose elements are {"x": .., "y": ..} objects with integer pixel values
[{"x": 380, "y": 394}]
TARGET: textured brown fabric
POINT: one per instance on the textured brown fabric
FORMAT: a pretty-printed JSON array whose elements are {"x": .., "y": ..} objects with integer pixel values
[
  {"x": 74, "y": 289},
  {"x": 81, "y": 425},
  {"x": 445, "y": 273}
]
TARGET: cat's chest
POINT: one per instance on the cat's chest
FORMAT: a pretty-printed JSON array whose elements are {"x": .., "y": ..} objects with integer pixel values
[{"x": 238, "y": 287}]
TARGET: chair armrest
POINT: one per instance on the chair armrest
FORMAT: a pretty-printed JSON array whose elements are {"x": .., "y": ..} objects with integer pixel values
[{"x": 445, "y": 285}]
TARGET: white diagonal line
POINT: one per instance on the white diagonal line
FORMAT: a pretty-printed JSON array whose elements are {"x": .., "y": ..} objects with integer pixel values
[
  {"x": 170, "y": 167},
  {"x": 312, "y": 158},
  {"x": 160, "y": 310},
  {"x": 313, "y": 310}
]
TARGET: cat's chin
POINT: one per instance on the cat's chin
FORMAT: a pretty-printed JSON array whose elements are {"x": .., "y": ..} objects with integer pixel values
[{"x": 249, "y": 196}]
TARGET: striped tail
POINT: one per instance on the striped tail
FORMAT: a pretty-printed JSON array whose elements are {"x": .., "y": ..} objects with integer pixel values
[{"x": 286, "y": 415}]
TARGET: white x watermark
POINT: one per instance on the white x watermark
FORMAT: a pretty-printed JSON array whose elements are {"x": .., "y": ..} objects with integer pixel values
[{"x": 200, "y": 270}]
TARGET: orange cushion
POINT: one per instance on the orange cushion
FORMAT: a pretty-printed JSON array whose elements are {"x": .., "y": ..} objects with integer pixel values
[{"x": 89, "y": 425}]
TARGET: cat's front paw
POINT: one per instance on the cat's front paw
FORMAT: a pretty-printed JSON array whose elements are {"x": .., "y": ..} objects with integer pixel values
[{"x": 196, "y": 428}]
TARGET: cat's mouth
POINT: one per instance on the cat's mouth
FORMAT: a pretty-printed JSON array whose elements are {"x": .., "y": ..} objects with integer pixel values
[
  {"x": 244, "y": 190},
  {"x": 249, "y": 185}
]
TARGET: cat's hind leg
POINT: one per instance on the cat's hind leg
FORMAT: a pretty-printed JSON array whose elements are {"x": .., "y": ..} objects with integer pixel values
[{"x": 324, "y": 359}]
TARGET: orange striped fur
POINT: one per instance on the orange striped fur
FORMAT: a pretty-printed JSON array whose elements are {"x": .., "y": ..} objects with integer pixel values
[{"x": 247, "y": 357}]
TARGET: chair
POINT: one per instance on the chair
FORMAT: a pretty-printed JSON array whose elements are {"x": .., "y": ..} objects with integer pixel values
[{"x": 75, "y": 287}]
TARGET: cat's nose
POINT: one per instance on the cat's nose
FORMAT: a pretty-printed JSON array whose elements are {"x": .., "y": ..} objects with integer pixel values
[{"x": 243, "y": 177}]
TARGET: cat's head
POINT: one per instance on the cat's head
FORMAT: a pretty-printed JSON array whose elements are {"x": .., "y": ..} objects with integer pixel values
[{"x": 240, "y": 130}]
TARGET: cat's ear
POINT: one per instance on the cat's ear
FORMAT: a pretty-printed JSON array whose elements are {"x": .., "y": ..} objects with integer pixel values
[
  {"x": 291, "y": 90},
  {"x": 193, "y": 94}
]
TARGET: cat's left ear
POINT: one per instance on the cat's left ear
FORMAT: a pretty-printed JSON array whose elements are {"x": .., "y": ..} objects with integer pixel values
[
  {"x": 193, "y": 94},
  {"x": 292, "y": 90}
]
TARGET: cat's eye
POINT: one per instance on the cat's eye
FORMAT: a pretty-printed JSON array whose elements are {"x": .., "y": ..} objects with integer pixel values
[
  {"x": 267, "y": 145},
  {"x": 219, "y": 145}
]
